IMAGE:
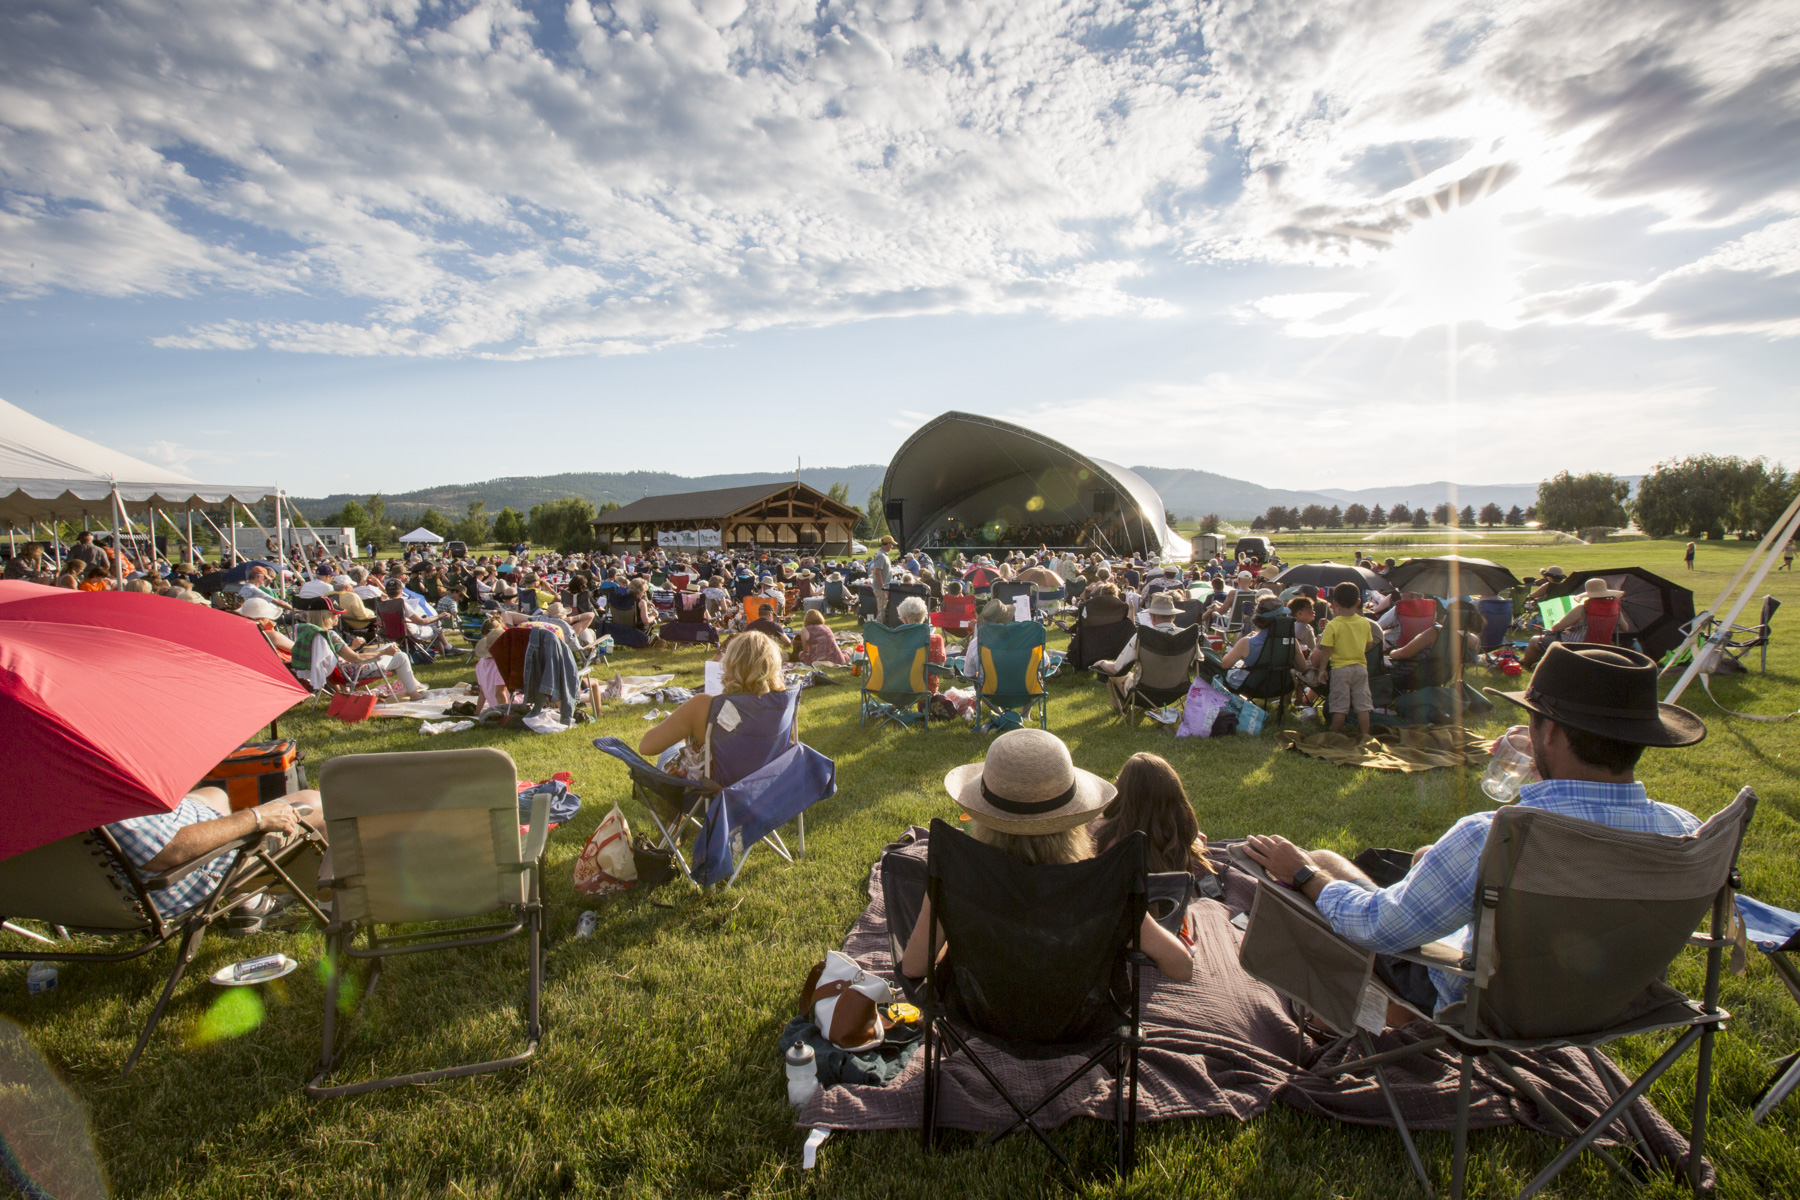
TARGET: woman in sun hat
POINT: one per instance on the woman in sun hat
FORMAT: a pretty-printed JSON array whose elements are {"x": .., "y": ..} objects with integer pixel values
[
  {"x": 1029, "y": 800},
  {"x": 1575, "y": 625}
]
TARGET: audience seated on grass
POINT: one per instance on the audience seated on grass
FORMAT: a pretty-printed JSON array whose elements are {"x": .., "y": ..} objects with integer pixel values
[
  {"x": 1149, "y": 798},
  {"x": 319, "y": 632},
  {"x": 818, "y": 644}
]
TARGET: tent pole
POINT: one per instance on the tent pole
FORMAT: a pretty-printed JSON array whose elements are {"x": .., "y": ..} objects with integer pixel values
[
  {"x": 1762, "y": 548},
  {"x": 193, "y": 554},
  {"x": 231, "y": 509},
  {"x": 1704, "y": 656},
  {"x": 280, "y": 534},
  {"x": 118, "y": 509}
]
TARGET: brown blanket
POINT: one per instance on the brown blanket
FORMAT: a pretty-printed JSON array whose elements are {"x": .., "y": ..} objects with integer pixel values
[
  {"x": 1412, "y": 748},
  {"x": 1222, "y": 1044}
]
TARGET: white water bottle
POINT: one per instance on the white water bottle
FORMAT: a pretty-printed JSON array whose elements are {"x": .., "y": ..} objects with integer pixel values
[
  {"x": 41, "y": 977},
  {"x": 802, "y": 1074}
]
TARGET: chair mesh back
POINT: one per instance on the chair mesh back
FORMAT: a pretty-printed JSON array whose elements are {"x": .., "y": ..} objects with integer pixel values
[
  {"x": 897, "y": 658},
  {"x": 69, "y": 882},
  {"x": 426, "y": 836},
  {"x": 1590, "y": 917},
  {"x": 762, "y": 728},
  {"x": 1012, "y": 657},
  {"x": 1036, "y": 952},
  {"x": 1166, "y": 657}
]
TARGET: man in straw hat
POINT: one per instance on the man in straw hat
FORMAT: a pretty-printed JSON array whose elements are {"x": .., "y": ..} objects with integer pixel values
[
  {"x": 1159, "y": 613},
  {"x": 1029, "y": 800},
  {"x": 1593, "y": 711},
  {"x": 1573, "y": 626},
  {"x": 881, "y": 574}
]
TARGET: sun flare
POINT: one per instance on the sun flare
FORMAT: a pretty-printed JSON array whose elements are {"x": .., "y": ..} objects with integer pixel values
[{"x": 1456, "y": 266}]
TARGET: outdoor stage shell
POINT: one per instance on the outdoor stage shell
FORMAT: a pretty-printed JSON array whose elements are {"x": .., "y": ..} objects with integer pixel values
[{"x": 983, "y": 480}]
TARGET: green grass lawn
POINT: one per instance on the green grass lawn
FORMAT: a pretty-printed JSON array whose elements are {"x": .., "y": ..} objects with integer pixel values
[{"x": 658, "y": 1075}]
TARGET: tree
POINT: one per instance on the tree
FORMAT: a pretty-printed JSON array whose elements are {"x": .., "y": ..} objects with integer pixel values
[
  {"x": 1707, "y": 494},
  {"x": 1443, "y": 514},
  {"x": 1514, "y": 517},
  {"x": 1571, "y": 502},
  {"x": 1356, "y": 516},
  {"x": 1335, "y": 518},
  {"x": 1421, "y": 518},
  {"x": 1258, "y": 524},
  {"x": 1466, "y": 517},
  {"x": 563, "y": 524},
  {"x": 1377, "y": 517},
  {"x": 1169, "y": 517},
  {"x": 355, "y": 516},
  {"x": 429, "y": 519},
  {"x": 1210, "y": 523},
  {"x": 1313, "y": 516},
  {"x": 509, "y": 527},
  {"x": 381, "y": 530},
  {"x": 877, "y": 515},
  {"x": 474, "y": 528},
  {"x": 1491, "y": 514},
  {"x": 1281, "y": 518},
  {"x": 839, "y": 492},
  {"x": 1400, "y": 515}
]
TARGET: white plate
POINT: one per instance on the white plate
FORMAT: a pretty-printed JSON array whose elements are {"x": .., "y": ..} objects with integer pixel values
[{"x": 223, "y": 976}]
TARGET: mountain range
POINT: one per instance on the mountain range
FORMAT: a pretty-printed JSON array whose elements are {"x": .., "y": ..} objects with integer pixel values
[{"x": 1187, "y": 493}]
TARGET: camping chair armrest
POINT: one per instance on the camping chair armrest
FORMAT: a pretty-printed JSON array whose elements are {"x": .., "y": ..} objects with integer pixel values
[
  {"x": 539, "y": 832},
  {"x": 164, "y": 879},
  {"x": 941, "y": 669},
  {"x": 1442, "y": 956}
]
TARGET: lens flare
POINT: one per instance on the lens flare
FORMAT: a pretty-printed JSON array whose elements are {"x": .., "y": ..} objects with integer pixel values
[
  {"x": 236, "y": 1012},
  {"x": 1456, "y": 266}
]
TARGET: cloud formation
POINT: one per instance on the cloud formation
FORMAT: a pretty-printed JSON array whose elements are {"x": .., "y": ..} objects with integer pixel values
[{"x": 522, "y": 178}]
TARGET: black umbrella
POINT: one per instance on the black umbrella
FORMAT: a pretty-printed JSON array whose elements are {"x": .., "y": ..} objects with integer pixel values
[
  {"x": 1452, "y": 576},
  {"x": 1653, "y": 608},
  {"x": 1327, "y": 575},
  {"x": 242, "y": 571}
]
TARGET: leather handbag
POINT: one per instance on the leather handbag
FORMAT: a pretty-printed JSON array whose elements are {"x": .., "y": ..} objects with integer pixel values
[{"x": 846, "y": 1002}]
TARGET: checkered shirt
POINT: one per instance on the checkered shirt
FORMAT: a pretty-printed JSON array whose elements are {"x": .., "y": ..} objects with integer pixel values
[
  {"x": 143, "y": 838},
  {"x": 1437, "y": 896}
]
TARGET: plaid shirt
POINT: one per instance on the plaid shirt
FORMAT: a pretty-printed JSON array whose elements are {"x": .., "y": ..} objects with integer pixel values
[
  {"x": 1437, "y": 896},
  {"x": 143, "y": 838}
]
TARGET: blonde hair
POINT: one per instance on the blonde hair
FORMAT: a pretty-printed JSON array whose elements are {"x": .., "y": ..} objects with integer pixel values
[
  {"x": 813, "y": 617},
  {"x": 638, "y": 587},
  {"x": 752, "y": 665},
  {"x": 1037, "y": 849}
]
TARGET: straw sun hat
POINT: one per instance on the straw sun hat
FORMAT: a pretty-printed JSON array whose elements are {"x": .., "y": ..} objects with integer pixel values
[{"x": 1029, "y": 784}]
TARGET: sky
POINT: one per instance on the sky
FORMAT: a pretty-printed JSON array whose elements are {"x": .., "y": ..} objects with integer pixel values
[{"x": 360, "y": 245}]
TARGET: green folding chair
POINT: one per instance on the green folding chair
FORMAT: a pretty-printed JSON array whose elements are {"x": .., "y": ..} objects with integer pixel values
[
  {"x": 896, "y": 671},
  {"x": 1014, "y": 665}
]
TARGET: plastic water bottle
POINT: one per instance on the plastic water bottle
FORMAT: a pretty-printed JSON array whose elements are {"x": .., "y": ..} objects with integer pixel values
[
  {"x": 802, "y": 1074},
  {"x": 585, "y": 925},
  {"x": 41, "y": 977}
]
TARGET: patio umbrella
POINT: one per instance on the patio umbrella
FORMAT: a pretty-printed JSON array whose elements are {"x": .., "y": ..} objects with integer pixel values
[
  {"x": 1655, "y": 608},
  {"x": 981, "y": 577},
  {"x": 1451, "y": 576},
  {"x": 114, "y": 704},
  {"x": 1327, "y": 575},
  {"x": 241, "y": 572}
]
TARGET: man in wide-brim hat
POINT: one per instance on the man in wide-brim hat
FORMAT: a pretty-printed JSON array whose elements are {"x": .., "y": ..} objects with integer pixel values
[
  {"x": 1029, "y": 800},
  {"x": 1593, "y": 712}
]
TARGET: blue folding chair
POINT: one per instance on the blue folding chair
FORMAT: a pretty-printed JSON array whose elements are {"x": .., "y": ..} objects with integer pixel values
[
  {"x": 1776, "y": 932},
  {"x": 758, "y": 776}
]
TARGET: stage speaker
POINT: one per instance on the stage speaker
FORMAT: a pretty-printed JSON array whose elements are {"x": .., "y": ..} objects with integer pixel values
[
  {"x": 894, "y": 511},
  {"x": 1103, "y": 502}
]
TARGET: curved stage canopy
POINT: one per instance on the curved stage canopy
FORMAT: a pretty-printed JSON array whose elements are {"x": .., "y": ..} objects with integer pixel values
[{"x": 966, "y": 480}]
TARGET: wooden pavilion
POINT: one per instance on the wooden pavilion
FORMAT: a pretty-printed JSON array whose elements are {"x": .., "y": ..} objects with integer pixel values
[{"x": 766, "y": 514}]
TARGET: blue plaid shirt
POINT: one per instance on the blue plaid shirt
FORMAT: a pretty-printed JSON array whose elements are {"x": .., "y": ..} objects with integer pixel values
[
  {"x": 143, "y": 838},
  {"x": 1437, "y": 897}
]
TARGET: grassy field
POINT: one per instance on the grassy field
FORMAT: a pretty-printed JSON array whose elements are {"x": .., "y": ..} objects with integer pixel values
[{"x": 658, "y": 1075}]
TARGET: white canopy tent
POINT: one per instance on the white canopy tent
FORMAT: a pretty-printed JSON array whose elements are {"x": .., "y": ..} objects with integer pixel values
[
  {"x": 48, "y": 474},
  {"x": 421, "y": 535}
]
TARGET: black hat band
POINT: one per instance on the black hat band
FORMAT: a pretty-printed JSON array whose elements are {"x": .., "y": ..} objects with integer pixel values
[
  {"x": 1021, "y": 808},
  {"x": 1591, "y": 710}
]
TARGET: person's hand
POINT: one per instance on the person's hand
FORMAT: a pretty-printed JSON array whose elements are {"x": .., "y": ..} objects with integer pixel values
[
  {"x": 1280, "y": 857},
  {"x": 278, "y": 816}
]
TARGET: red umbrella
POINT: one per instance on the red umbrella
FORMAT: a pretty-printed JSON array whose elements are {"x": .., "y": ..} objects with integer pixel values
[{"x": 114, "y": 704}]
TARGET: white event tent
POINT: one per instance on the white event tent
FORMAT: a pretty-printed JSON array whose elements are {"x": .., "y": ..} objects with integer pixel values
[
  {"x": 421, "y": 535},
  {"x": 48, "y": 474}
]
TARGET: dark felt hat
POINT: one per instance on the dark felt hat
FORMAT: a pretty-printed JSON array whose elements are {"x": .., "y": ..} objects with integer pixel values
[{"x": 1609, "y": 691}]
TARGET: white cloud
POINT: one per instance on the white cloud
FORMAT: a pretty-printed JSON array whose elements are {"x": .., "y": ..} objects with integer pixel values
[{"x": 476, "y": 177}]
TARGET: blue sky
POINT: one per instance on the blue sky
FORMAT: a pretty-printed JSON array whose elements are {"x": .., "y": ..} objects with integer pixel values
[{"x": 1309, "y": 245}]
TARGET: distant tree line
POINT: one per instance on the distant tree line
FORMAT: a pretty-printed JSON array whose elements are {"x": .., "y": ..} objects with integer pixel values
[{"x": 1357, "y": 516}]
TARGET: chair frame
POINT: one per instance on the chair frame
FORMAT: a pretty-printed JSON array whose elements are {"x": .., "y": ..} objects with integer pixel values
[
  {"x": 1122, "y": 1050},
  {"x": 251, "y": 856},
  {"x": 340, "y": 937}
]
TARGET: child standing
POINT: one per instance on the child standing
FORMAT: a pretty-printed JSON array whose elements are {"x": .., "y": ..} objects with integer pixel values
[{"x": 1345, "y": 644}]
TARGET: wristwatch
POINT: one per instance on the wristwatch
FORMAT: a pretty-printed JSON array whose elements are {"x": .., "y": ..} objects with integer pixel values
[{"x": 1301, "y": 876}]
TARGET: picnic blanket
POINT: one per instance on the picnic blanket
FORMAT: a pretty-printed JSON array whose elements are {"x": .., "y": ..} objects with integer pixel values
[
  {"x": 1222, "y": 1044},
  {"x": 1410, "y": 748},
  {"x": 431, "y": 706}
]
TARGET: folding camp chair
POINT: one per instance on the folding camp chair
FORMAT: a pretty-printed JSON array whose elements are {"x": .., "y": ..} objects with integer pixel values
[
  {"x": 865, "y": 602},
  {"x": 957, "y": 616},
  {"x": 428, "y": 837},
  {"x": 758, "y": 776},
  {"x": 1547, "y": 882},
  {"x": 837, "y": 597},
  {"x": 390, "y": 618},
  {"x": 1776, "y": 932},
  {"x": 1014, "y": 664},
  {"x": 1271, "y": 676},
  {"x": 327, "y": 675},
  {"x": 898, "y": 594},
  {"x": 85, "y": 883},
  {"x": 1164, "y": 670},
  {"x": 1043, "y": 963},
  {"x": 1008, "y": 592},
  {"x": 1231, "y": 621},
  {"x": 1101, "y": 632},
  {"x": 690, "y": 625},
  {"x": 1754, "y": 637},
  {"x": 663, "y": 601},
  {"x": 896, "y": 668}
]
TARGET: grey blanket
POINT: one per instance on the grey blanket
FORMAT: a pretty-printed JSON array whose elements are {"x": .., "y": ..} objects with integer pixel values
[{"x": 1222, "y": 1044}]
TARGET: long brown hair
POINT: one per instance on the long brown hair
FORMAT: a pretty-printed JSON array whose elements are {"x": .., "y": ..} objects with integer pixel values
[{"x": 1151, "y": 798}]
